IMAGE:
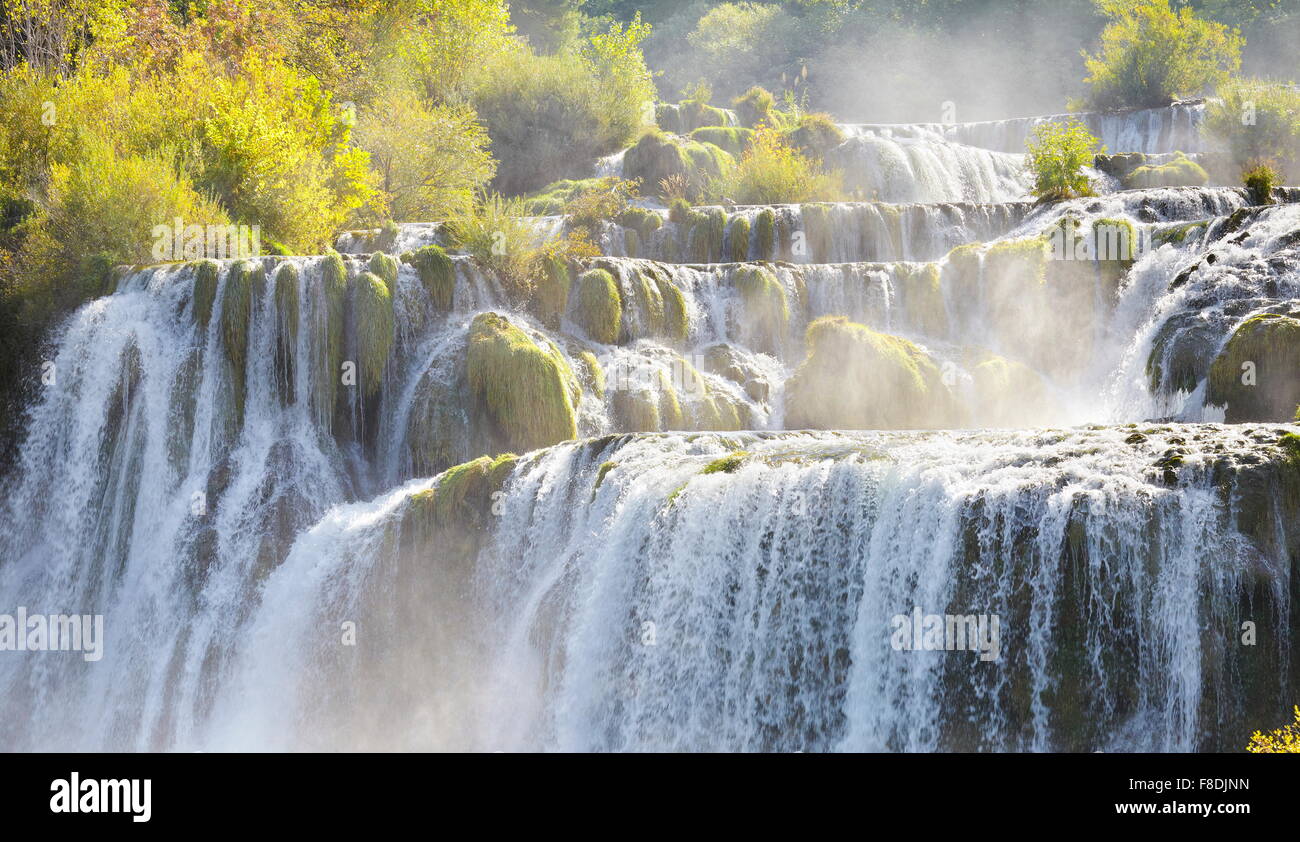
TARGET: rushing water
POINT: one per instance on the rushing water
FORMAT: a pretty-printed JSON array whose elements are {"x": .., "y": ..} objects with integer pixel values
[{"x": 239, "y": 525}]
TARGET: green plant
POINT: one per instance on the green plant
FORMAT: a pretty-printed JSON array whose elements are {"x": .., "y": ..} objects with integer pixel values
[
  {"x": 1260, "y": 179},
  {"x": 1257, "y": 120},
  {"x": 1058, "y": 152},
  {"x": 773, "y": 172},
  {"x": 1151, "y": 54}
]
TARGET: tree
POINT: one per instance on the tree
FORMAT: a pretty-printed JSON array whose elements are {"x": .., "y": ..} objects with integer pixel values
[
  {"x": 1058, "y": 152},
  {"x": 430, "y": 159},
  {"x": 1151, "y": 55}
]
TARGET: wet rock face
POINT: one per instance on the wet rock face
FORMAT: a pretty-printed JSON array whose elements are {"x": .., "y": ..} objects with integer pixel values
[{"x": 1257, "y": 375}]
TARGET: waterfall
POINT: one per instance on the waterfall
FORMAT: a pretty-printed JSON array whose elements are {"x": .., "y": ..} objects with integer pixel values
[{"x": 299, "y": 521}]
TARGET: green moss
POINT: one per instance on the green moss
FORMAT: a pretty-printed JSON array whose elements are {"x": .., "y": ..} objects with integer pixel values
[
  {"x": 731, "y": 139},
  {"x": 679, "y": 211},
  {"x": 205, "y": 291},
  {"x": 605, "y": 468},
  {"x": 817, "y": 231},
  {"x": 385, "y": 267},
  {"x": 922, "y": 293},
  {"x": 460, "y": 502},
  {"x": 676, "y": 325},
  {"x": 644, "y": 222},
  {"x": 1177, "y": 234},
  {"x": 816, "y": 135},
  {"x": 595, "y": 375},
  {"x": 1024, "y": 260},
  {"x": 551, "y": 199},
  {"x": 635, "y": 411},
  {"x": 1271, "y": 343},
  {"x": 707, "y": 230},
  {"x": 599, "y": 308},
  {"x": 244, "y": 283},
  {"x": 765, "y": 309},
  {"x": 551, "y": 293},
  {"x": 670, "y": 408},
  {"x": 728, "y": 464},
  {"x": 765, "y": 234},
  {"x": 856, "y": 378},
  {"x": 523, "y": 394},
  {"x": 738, "y": 239},
  {"x": 1180, "y": 171},
  {"x": 755, "y": 107},
  {"x": 657, "y": 157},
  {"x": 331, "y": 302},
  {"x": 372, "y": 321},
  {"x": 437, "y": 275},
  {"x": 286, "y": 346}
]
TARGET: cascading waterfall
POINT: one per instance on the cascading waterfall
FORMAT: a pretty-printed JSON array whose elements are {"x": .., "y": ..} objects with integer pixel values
[{"x": 688, "y": 574}]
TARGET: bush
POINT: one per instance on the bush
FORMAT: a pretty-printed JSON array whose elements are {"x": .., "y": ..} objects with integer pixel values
[
  {"x": 1284, "y": 740},
  {"x": 497, "y": 232},
  {"x": 756, "y": 107},
  {"x": 430, "y": 159},
  {"x": 1151, "y": 55},
  {"x": 772, "y": 172},
  {"x": 1260, "y": 181},
  {"x": 815, "y": 135},
  {"x": 1058, "y": 152},
  {"x": 1256, "y": 120},
  {"x": 555, "y": 115}
]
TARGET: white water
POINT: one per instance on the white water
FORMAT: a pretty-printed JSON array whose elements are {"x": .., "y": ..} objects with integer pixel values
[{"x": 769, "y": 589}]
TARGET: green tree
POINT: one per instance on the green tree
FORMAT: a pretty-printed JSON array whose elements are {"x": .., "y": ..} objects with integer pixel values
[
  {"x": 1057, "y": 154},
  {"x": 1151, "y": 55},
  {"x": 430, "y": 159}
]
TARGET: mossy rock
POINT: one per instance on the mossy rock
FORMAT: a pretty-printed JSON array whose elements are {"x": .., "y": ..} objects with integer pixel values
[
  {"x": 206, "y": 273},
  {"x": 816, "y": 135},
  {"x": 373, "y": 329},
  {"x": 687, "y": 116},
  {"x": 733, "y": 140},
  {"x": 453, "y": 516},
  {"x": 593, "y": 376},
  {"x": 856, "y": 378},
  {"x": 728, "y": 464},
  {"x": 1010, "y": 394},
  {"x": 755, "y": 107},
  {"x": 287, "y": 325},
  {"x": 738, "y": 240},
  {"x": 707, "y": 231},
  {"x": 765, "y": 312},
  {"x": 599, "y": 306},
  {"x": 551, "y": 291},
  {"x": 385, "y": 266},
  {"x": 921, "y": 291},
  {"x": 437, "y": 275},
  {"x": 635, "y": 411},
  {"x": 1178, "y": 233},
  {"x": 524, "y": 394},
  {"x": 765, "y": 234},
  {"x": 1181, "y": 171},
  {"x": 657, "y": 157},
  {"x": 245, "y": 283},
  {"x": 641, "y": 220},
  {"x": 330, "y": 329},
  {"x": 818, "y": 236},
  {"x": 1270, "y": 344}
]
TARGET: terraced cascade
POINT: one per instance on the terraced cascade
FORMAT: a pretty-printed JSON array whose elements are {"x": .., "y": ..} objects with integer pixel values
[{"x": 680, "y": 499}]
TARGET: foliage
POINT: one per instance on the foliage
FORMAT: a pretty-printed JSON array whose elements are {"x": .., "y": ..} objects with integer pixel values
[
  {"x": 1284, "y": 740},
  {"x": 1260, "y": 180},
  {"x": 1058, "y": 152},
  {"x": 1151, "y": 54},
  {"x": 430, "y": 158},
  {"x": 1257, "y": 120},
  {"x": 772, "y": 172}
]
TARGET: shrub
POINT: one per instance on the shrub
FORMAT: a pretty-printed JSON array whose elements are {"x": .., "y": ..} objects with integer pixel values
[
  {"x": 497, "y": 233},
  {"x": 755, "y": 107},
  {"x": 1260, "y": 181},
  {"x": 554, "y": 115},
  {"x": 1256, "y": 120},
  {"x": 430, "y": 159},
  {"x": 603, "y": 201},
  {"x": 772, "y": 172},
  {"x": 1284, "y": 740},
  {"x": 1058, "y": 152},
  {"x": 1151, "y": 55},
  {"x": 815, "y": 135}
]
